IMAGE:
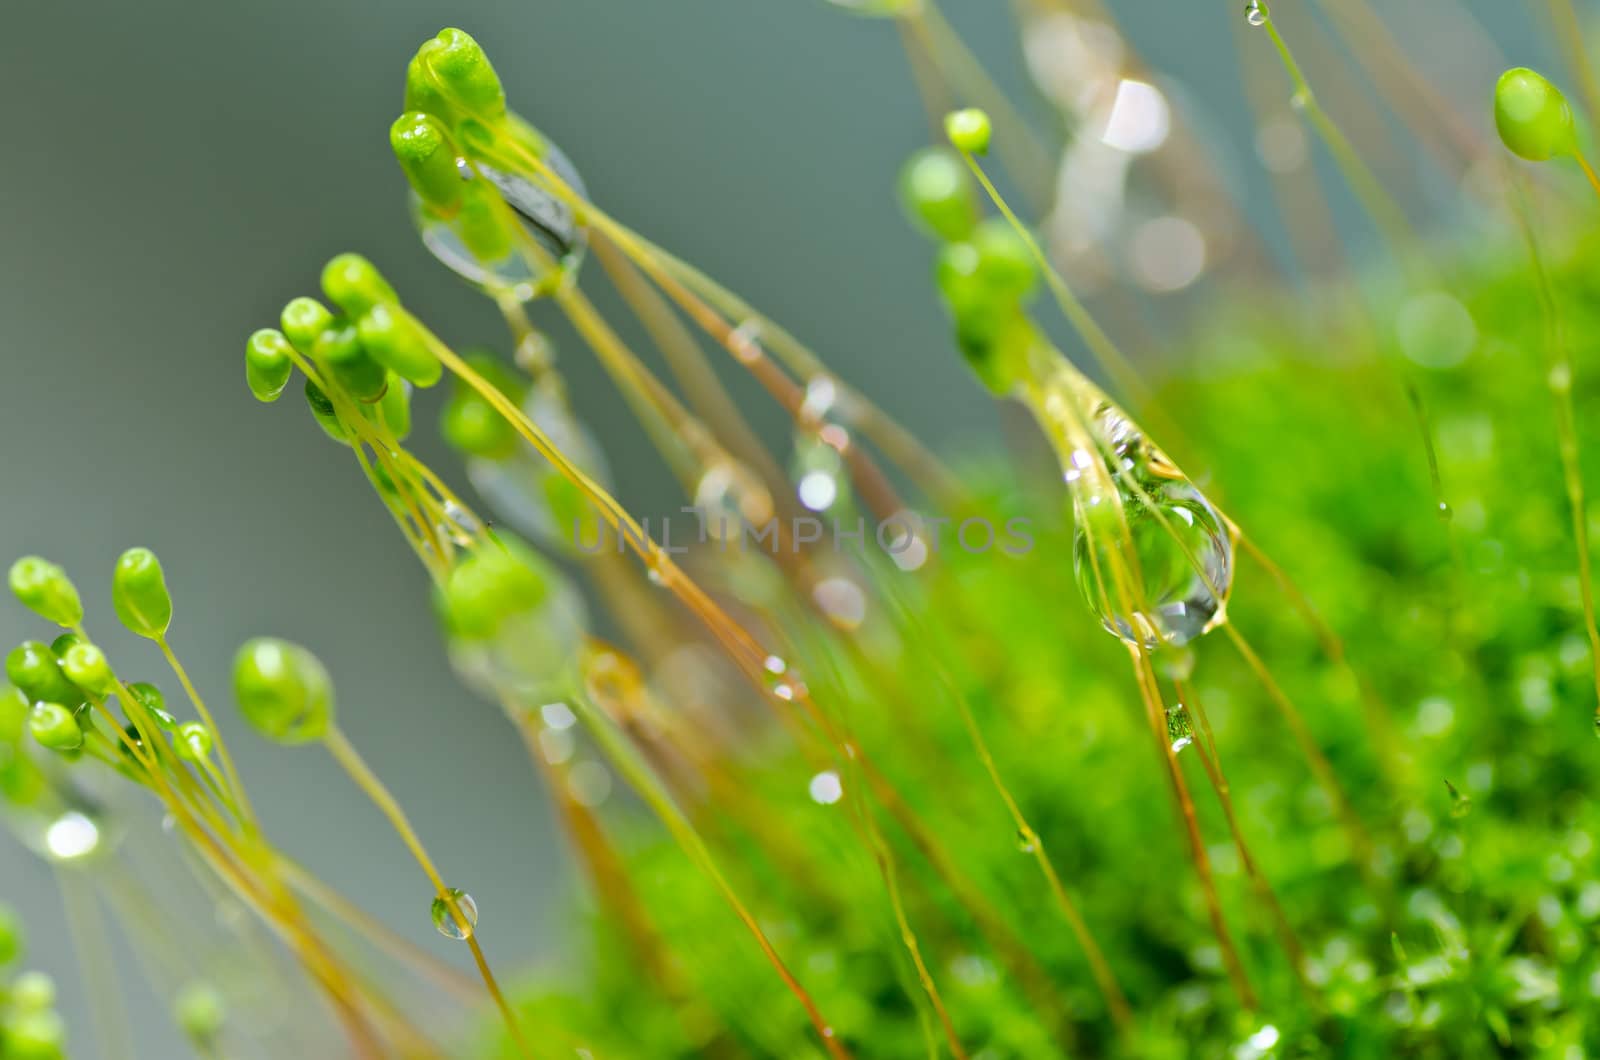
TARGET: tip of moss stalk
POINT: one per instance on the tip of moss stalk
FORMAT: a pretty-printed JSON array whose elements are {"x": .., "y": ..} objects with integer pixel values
[{"x": 969, "y": 130}]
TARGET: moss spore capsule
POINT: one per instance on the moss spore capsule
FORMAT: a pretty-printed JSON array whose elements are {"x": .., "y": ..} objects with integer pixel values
[
  {"x": 969, "y": 130},
  {"x": 428, "y": 158},
  {"x": 54, "y": 727},
  {"x": 462, "y": 74},
  {"x": 32, "y": 667},
  {"x": 267, "y": 364},
  {"x": 302, "y": 320},
  {"x": 283, "y": 690},
  {"x": 937, "y": 191},
  {"x": 86, "y": 666},
  {"x": 1532, "y": 116},
  {"x": 339, "y": 348},
  {"x": 394, "y": 340},
  {"x": 139, "y": 593},
  {"x": 44, "y": 588},
  {"x": 355, "y": 285}
]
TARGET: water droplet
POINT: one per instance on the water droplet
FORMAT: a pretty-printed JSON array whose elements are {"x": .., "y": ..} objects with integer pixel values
[
  {"x": 775, "y": 665},
  {"x": 842, "y": 600},
  {"x": 826, "y": 788},
  {"x": 72, "y": 837},
  {"x": 729, "y": 498},
  {"x": 459, "y": 524},
  {"x": 1255, "y": 13},
  {"x": 549, "y": 221},
  {"x": 1183, "y": 550},
  {"x": 1180, "y": 727},
  {"x": 1026, "y": 841},
  {"x": 458, "y": 922},
  {"x": 589, "y": 783},
  {"x": 1460, "y": 801}
]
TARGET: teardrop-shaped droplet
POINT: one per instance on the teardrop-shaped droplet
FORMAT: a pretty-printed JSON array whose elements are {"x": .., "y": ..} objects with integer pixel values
[
  {"x": 529, "y": 493},
  {"x": 456, "y": 918},
  {"x": 1158, "y": 520},
  {"x": 1026, "y": 841},
  {"x": 1460, "y": 801},
  {"x": 729, "y": 498},
  {"x": 1180, "y": 728},
  {"x": 549, "y": 221},
  {"x": 1255, "y": 13}
]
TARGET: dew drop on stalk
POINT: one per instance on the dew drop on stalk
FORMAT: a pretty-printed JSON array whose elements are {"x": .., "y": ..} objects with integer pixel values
[
  {"x": 1460, "y": 801},
  {"x": 1180, "y": 728},
  {"x": 72, "y": 836},
  {"x": 1255, "y": 13},
  {"x": 826, "y": 788},
  {"x": 458, "y": 922},
  {"x": 545, "y": 218},
  {"x": 1183, "y": 550},
  {"x": 729, "y": 498},
  {"x": 1026, "y": 841},
  {"x": 459, "y": 525}
]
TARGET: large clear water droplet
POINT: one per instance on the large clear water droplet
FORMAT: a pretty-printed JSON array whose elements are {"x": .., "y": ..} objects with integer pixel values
[
  {"x": 1180, "y": 543},
  {"x": 1255, "y": 13},
  {"x": 528, "y": 492},
  {"x": 545, "y": 218},
  {"x": 456, "y": 918}
]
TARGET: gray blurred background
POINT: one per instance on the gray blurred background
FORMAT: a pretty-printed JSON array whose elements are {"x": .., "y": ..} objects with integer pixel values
[{"x": 173, "y": 173}]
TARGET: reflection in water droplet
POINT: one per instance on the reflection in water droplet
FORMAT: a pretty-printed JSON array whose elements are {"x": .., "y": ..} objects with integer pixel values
[
  {"x": 72, "y": 836},
  {"x": 826, "y": 788},
  {"x": 459, "y": 525},
  {"x": 1255, "y": 13},
  {"x": 1026, "y": 841},
  {"x": 1183, "y": 551},
  {"x": 459, "y": 922},
  {"x": 1180, "y": 729}
]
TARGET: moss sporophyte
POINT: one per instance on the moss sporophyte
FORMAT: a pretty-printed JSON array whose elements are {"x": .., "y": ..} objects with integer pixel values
[{"x": 895, "y": 799}]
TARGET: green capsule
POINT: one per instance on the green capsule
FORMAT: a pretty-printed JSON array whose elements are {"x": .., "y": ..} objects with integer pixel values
[
  {"x": 87, "y": 667},
  {"x": 462, "y": 75},
  {"x": 283, "y": 690},
  {"x": 355, "y": 285},
  {"x": 33, "y": 992},
  {"x": 193, "y": 741},
  {"x": 199, "y": 1012},
  {"x": 36, "y": 1035},
  {"x": 969, "y": 130},
  {"x": 395, "y": 407},
  {"x": 139, "y": 593},
  {"x": 1005, "y": 264},
  {"x": 470, "y": 424},
  {"x": 486, "y": 225},
  {"x": 498, "y": 581},
  {"x": 429, "y": 160},
  {"x": 13, "y": 713},
  {"x": 303, "y": 320},
  {"x": 32, "y": 667},
  {"x": 54, "y": 727},
  {"x": 267, "y": 364},
  {"x": 394, "y": 340},
  {"x": 45, "y": 589},
  {"x": 1532, "y": 116},
  {"x": 994, "y": 336},
  {"x": 11, "y": 944},
  {"x": 339, "y": 348},
  {"x": 327, "y": 417},
  {"x": 151, "y": 698},
  {"x": 937, "y": 191}
]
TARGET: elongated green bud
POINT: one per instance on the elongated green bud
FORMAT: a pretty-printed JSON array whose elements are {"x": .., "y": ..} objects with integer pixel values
[
  {"x": 139, "y": 592},
  {"x": 393, "y": 340},
  {"x": 394, "y": 408},
  {"x": 326, "y": 416},
  {"x": 462, "y": 75},
  {"x": 45, "y": 589},
  {"x": 192, "y": 742},
  {"x": 1532, "y": 116},
  {"x": 267, "y": 364},
  {"x": 937, "y": 191},
  {"x": 340, "y": 349},
  {"x": 500, "y": 580},
  {"x": 87, "y": 667},
  {"x": 10, "y": 936},
  {"x": 282, "y": 690},
  {"x": 13, "y": 713},
  {"x": 355, "y": 285},
  {"x": 303, "y": 319},
  {"x": 428, "y": 159},
  {"x": 969, "y": 130},
  {"x": 34, "y": 669},
  {"x": 54, "y": 727}
]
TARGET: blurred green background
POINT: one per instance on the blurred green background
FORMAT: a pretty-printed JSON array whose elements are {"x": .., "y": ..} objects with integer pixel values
[{"x": 173, "y": 173}]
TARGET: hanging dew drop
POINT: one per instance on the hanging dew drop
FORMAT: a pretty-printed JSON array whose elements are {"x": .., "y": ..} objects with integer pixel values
[
  {"x": 455, "y": 914},
  {"x": 1255, "y": 13},
  {"x": 1026, "y": 841},
  {"x": 1180, "y": 728},
  {"x": 1158, "y": 520},
  {"x": 1460, "y": 801}
]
